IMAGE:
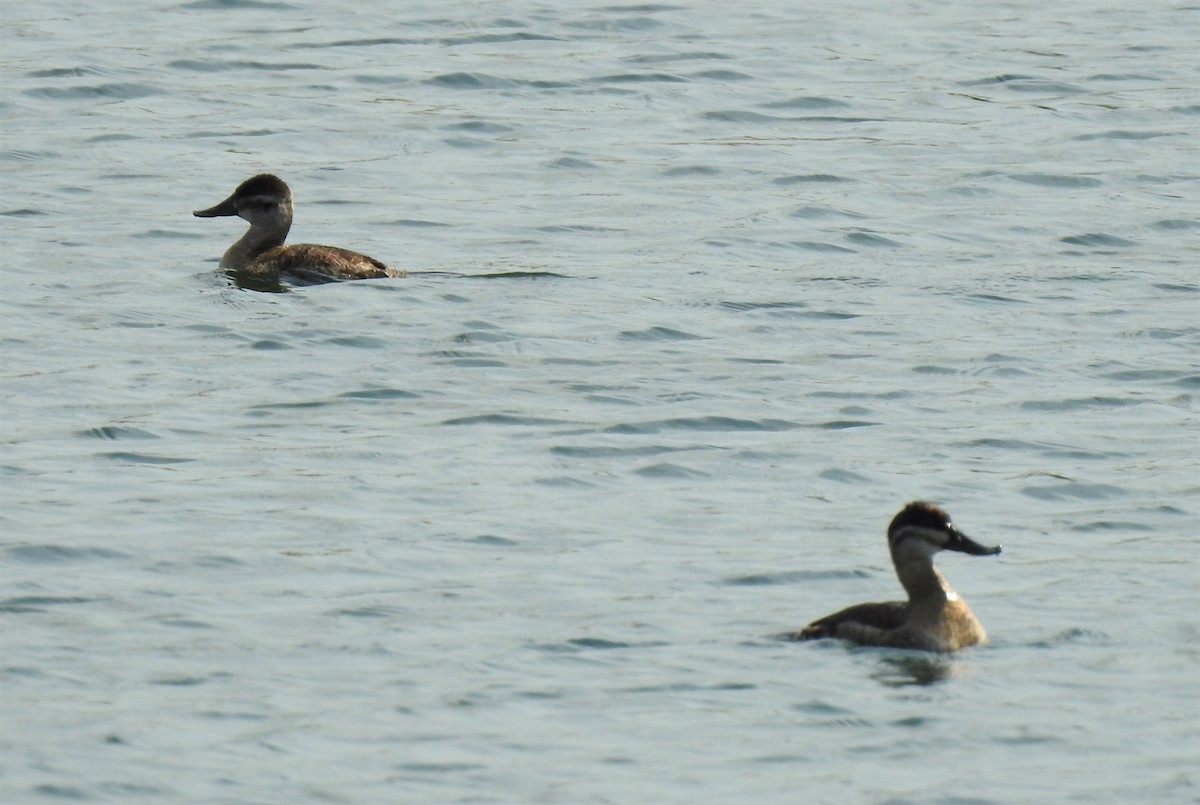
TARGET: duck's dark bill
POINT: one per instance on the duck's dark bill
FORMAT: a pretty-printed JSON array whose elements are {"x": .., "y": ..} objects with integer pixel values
[
  {"x": 961, "y": 542},
  {"x": 226, "y": 207}
]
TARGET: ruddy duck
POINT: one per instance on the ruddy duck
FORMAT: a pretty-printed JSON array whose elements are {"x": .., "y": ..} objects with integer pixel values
[
  {"x": 266, "y": 202},
  {"x": 934, "y": 618}
]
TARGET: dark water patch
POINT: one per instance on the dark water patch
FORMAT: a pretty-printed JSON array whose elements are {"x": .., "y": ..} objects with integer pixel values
[
  {"x": 704, "y": 424},
  {"x": 491, "y": 540},
  {"x": 1111, "y": 525},
  {"x": 900, "y": 394},
  {"x": 639, "y": 23},
  {"x": 759, "y": 361},
  {"x": 143, "y": 458},
  {"x": 819, "y": 708},
  {"x": 178, "y": 681},
  {"x": 791, "y": 577},
  {"x": 658, "y": 334},
  {"x": 124, "y": 791},
  {"x": 1098, "y": 240},
  {"x": 223, "y": 5},
  {"x": 1003, "y": 444},
  {"x": 829, "y": 315},
  {"x": 1044, "y": 87},
  {"x": 232, "y": 715},
  {"x": 513, "y": 275},
  {"x": 913, "y": 670},
  {"x": 576, "y": 228},
  {"x": 1190, "y": 382},
  {"x": 24, "y": 212},
  {"x": 266, "y": 407},
  {"x": 438, "y": 768},
  {"x": 845, "y": 424},
  {"x": 743, "y": 116},
  {"x": 504, "y": 419},
  {"x": 414, "y": 223},
  {"x": 988, "y": 297},
  {"x": 1122, "y": 77},
  {"x": 55, "y": 554},
  {"x": 209, "y": 66},
  {"x": 843, "y": 477},
  {"x": 1074, "y": 490},
  {"x": 115, "y": 92},
  {"x": 664, "y": 58},
  {"x": 565, "y": 482},
  {"x": 472, "y": 81},
  {"x": 639, "y": 78},
  {"x": 579, "y": 643},
  {"x": 476, "y": 363},
  {"x": 1176, "y": 224},
  {"x": 478, "y": 127},
  {"x": 363, "y": 43},
  {"x": 64, "y": 72},
  {"x": 61, "y": 791},
  {"x": 688, "y": 687},
  {"x": 217, "y": 561},
  {"x": 1118, "y": 134},
  {"x": 814, "y": 212},
  {"x": 721, "y": 75},
  {"x": 692, "y": 170},
  {"x": 1071, "y": 636},
  {"x": 1193, "y": 109},
  {"x": 1002, "y": 78},
  {"x": 487, "y": 39},
  {"x": 35, "y": 603},
  {"x": 1055, "y": 180},
  {"x": 466, "y": 142},
  {"x": 270, "y": 345},
  {"x": 380, "y": 394},
  {"x": 166, "y": 234},
  {"x": 23, "y": 155},
  {"x": 1142, "y": 374},
  {"x": 863, "y": 238},
  {"x": 1078, "y": 404},
  {"x": 481, "y": 337},
  {"x": 25, "y": 604},
  {"x": 615, "y": 452},
  {"x": 810, "y": 178},
  {"x": 668, "y": 470},
  {"x": 574, "y": 163},
  {"x": 807, "y": 102},
  {"x": 740, "y": 307},
  {"x": 115, "y": 433},
  {"x": 816, "y": 246},
  {"x": 368, "y": 612},
  {"x": 185, "y": 623},
  {"x": 929, "y": 369},
  {"x": 356, "y": 342}
]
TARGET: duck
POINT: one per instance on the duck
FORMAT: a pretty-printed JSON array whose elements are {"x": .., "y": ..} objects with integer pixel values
[
  {"x": 265, "y": 201},
  {"x": 934, "y": 618}
]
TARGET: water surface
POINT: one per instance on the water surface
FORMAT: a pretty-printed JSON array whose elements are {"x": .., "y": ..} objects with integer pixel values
[{"x": 701, "y": 298}]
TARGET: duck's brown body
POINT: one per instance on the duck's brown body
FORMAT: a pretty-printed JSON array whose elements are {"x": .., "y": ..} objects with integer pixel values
[
  {"x": 265, "y": 201},
  {"x": 934, "y": 618}
]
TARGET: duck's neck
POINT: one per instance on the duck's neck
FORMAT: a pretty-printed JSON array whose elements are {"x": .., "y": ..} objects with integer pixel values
[
  {"x": 923, "y": 582},
  {"x": 258, "y": 239}
]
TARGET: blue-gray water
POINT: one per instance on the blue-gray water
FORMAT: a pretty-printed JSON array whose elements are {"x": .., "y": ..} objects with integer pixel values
[{"x": 705, "y": 292}]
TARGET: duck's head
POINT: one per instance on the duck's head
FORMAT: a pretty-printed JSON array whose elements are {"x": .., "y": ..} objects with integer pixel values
[
  {"x": 262, "y": 199},
  {"x": 922, "y": 529}
]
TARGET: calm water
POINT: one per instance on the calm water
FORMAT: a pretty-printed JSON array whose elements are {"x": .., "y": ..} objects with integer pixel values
[{"x": 702, "y": 297}]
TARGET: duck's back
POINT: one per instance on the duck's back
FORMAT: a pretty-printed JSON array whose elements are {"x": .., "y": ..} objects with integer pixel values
[{"x": 316, "y": 263}]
